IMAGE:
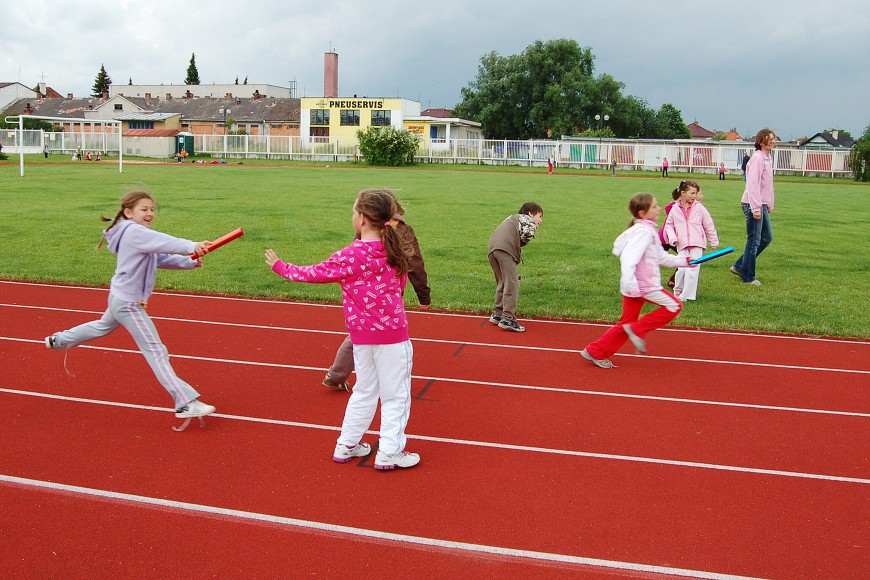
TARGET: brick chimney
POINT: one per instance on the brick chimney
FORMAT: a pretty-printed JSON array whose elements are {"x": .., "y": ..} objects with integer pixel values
[
  {"x": 330, "y": 74},
  {"x": 228, "y": 96},
  {"x": 168, "y": 96},
  {"x": 147, "y": 95},
  {"x": 69, "y": 96}
]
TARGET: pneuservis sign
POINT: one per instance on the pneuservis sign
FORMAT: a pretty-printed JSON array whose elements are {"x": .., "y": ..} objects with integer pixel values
[{"x": 357, "y": 104}]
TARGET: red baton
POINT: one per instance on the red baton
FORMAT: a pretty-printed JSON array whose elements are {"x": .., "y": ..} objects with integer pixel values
[{"x": 226, "y": 239}]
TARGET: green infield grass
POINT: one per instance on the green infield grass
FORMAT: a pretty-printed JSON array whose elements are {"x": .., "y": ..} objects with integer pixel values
[{"x": 815, "y": 274}]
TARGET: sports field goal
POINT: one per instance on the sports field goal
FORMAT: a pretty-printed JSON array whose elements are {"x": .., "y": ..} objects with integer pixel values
[{"x": 101, "y": 127}]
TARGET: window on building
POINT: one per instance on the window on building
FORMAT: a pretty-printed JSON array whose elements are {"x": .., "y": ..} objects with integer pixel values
[
  {"x": 320, "y": 131},
  {"x": 119, "y": 107},
  {"x": 380, "y": 118},
  {"x": 141, "y": 124},
  {"x": 350, "y": 117},
  {"x": 320, "y": 117}
]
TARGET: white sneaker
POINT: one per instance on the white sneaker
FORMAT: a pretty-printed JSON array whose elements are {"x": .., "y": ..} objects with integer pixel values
[
  {"x": 49, "y": 342},
  {"x": 638, "y": 342},
  {"x": 603, "y": 363},
  {"x": 343, "y": 453},
  {"x": 194, "y": 408},
  {"x": 401, "y": 459}
]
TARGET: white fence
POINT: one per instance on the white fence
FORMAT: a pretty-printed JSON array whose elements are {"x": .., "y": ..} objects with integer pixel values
[{"x": 688, "y": 156}]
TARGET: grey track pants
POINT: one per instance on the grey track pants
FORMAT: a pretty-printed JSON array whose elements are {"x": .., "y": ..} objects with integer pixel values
[{"x": 132, "y": 316}]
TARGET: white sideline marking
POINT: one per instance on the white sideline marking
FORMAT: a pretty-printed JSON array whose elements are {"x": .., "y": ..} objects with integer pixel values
[
  {"x": 459, "y": 314},
  {"x": 488, "y": 383},
  {"x": 456, "y": 342},
  {"x": 472, "y": 443},
  {"x": 353, "y": 531}
]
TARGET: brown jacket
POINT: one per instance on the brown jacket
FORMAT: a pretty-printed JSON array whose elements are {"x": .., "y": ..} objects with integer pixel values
[
  {"x": 506, "y": 238},
  {"x": 416, "y": 268}
]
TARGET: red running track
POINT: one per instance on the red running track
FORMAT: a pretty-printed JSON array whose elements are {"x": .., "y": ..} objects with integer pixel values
[{"x": 744, "y": 455}]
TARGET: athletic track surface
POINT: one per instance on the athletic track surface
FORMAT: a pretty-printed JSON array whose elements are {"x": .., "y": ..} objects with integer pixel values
[{"x": 717, "y": 454}]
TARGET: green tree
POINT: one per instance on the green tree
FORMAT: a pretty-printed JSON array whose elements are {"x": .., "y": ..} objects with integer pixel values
[
  {"x": 192, "y": 77},
  {"x": 549, "y": 90},
  {"x": 670, "y": 124},
  {"x": 101, "y": 83},
  {"x": 842, "y": 132},
  {"x": 34, "y": 124},
  {"x": 387, "y": 146},
  {"x": 859, "y": 158}
]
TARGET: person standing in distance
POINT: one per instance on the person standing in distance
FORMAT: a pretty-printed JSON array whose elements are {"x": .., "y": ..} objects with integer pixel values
[{"x": 757, "y": 204}]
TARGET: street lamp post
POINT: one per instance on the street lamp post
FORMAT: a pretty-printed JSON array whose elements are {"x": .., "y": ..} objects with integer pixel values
[
  {"x": 225, "y": 111},
  {"x": 601, "y": 120}
]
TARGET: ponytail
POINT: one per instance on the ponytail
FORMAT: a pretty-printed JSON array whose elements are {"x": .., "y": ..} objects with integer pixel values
[{"x": 379, "y": 206}]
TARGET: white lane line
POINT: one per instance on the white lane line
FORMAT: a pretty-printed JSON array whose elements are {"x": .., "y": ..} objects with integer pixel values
[
  {"x": 461, "y": 381},
  {"x": 354, "y": 531},
  {"x": 459, "y": 342},
  {"x": 473, "y": 443},
  {"x": 472, "y": 316}
]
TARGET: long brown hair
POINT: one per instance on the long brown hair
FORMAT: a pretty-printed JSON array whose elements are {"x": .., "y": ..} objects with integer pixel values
[
  {"x": 638, "y": 203},
  {"x": 129, "y": 201},
  {"x": 379, "y": 206}
]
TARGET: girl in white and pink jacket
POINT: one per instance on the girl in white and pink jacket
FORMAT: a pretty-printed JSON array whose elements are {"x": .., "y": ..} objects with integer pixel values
[
  {"x": 640, "y": 254},
  {"x": 372, "y": 272},
  {"x": 688, "y": 227}
]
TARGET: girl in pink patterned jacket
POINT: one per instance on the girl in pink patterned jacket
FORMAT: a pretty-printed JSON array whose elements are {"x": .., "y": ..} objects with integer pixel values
[
  {"x": 688, "y": 227},
  {"x": 640, "y": 255},
  {"x": 372, "y": 272}
]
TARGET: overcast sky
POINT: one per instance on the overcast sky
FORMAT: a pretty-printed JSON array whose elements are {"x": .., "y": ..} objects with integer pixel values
[{"x": 800, "y": 66}]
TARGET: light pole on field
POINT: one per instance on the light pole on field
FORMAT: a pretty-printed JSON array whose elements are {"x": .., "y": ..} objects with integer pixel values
[
  {"x": 225, "y": 111},
  {"x": 601, "y": 120}
]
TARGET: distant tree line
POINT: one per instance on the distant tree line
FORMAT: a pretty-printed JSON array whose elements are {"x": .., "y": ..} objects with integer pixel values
[{"x": 551, "y": 90}]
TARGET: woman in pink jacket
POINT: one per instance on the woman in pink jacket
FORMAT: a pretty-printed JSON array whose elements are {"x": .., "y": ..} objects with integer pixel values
[
  {"x": 372, "y": 272},
  {"x": 757, "y": 204},
  {"x": 640, "y": 255},
  {"x": 689, "y": 227}
]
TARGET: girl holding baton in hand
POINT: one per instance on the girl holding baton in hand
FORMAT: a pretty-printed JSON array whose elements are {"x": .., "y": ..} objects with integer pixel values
[{"x": 140, "y": 252}]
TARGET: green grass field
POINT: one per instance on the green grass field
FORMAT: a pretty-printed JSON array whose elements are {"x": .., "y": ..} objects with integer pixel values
[{"x": 815, "y": 274}]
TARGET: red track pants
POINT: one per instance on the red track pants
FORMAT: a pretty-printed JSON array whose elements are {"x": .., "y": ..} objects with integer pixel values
[{"x": 612, "y": 340}]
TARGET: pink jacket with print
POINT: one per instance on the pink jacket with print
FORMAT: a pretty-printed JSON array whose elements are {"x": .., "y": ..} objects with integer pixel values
[
  {"x": 640, "y": 255},
  {"x": 371, "y": 292},
  {"x": 690, "y": 228}
]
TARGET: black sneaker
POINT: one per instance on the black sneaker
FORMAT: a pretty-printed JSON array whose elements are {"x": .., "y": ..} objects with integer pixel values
[
  {"x": 511, "y": 324},
  {"x": 495, "y": 319}
]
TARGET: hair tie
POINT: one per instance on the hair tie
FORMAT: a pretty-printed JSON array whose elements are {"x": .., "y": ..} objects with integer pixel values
[{"x": 387, "y": 223}]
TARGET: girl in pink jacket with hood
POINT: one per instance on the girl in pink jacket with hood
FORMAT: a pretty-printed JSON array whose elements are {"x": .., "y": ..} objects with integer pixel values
[
  {"x": 688, "y": 227},
  {"x": 640, "y": 255}
]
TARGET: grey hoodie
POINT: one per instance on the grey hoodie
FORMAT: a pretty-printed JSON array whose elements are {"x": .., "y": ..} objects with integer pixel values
[{"x": 140, "y": 252}]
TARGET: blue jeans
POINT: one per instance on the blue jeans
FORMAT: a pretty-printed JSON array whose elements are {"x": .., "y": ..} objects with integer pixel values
[{"x": 759, "y": 235}]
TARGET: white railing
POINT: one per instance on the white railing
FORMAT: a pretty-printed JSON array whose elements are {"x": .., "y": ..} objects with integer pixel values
[{"x": 687, "y": 156}]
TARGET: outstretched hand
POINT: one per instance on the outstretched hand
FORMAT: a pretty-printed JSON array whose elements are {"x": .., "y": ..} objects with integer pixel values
[{"x": 271, "y": 257}]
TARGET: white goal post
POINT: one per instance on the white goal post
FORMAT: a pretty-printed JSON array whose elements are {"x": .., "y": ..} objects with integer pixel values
[{"x": 102, "y": 122}]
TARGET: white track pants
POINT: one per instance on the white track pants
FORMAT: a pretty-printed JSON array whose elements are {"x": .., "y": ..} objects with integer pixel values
[
  {"x": 383, "y": 371},
  {"x": 686, "y": 281}
]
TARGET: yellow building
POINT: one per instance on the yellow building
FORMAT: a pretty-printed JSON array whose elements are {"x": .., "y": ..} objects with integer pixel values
[{"x": 342, "y": 117}]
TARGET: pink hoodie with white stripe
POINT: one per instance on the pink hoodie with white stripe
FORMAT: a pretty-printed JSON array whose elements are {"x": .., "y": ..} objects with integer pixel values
[{"x": 640, "y": 254}]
